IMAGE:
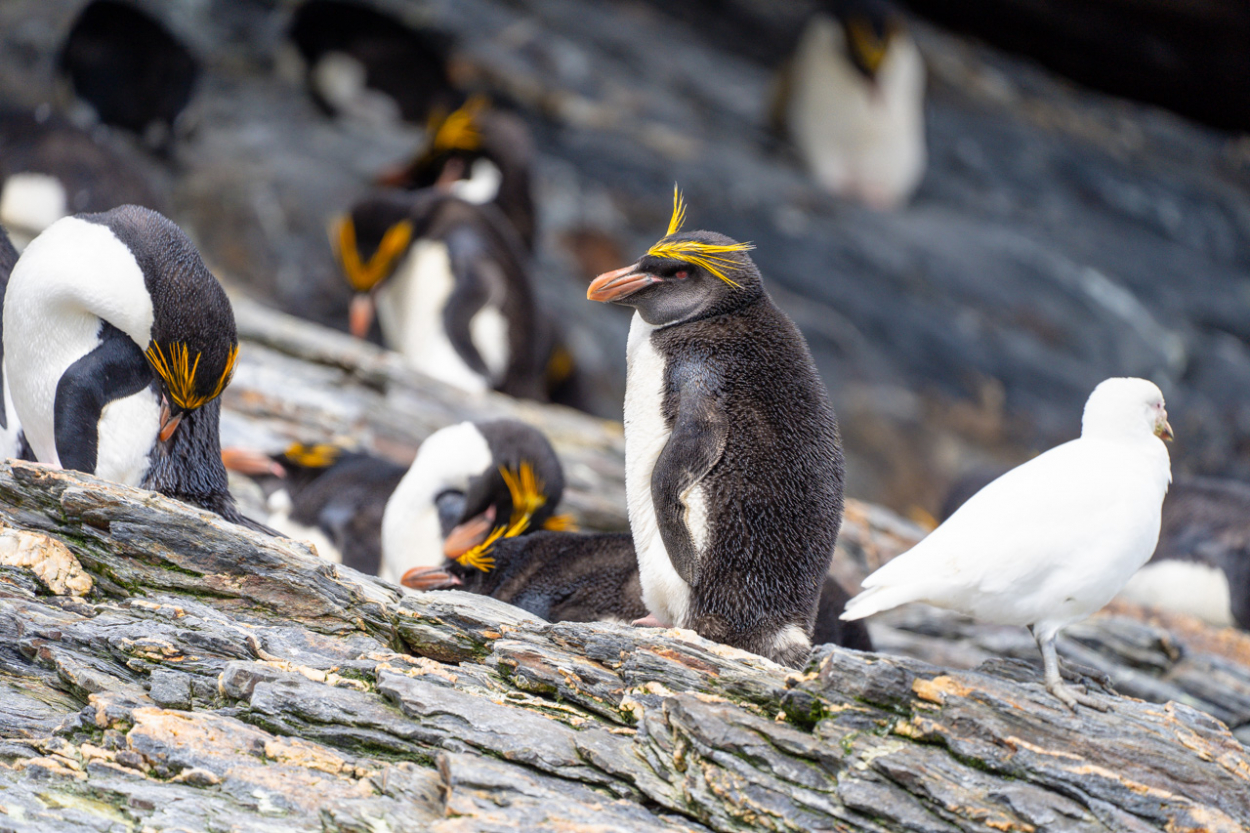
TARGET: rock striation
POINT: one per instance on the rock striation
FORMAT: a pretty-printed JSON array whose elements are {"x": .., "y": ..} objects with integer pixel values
[{"x": 215, "y": 679}]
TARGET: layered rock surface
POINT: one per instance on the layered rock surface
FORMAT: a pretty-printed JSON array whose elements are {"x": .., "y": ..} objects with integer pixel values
[{"x": 160, "y": 669}]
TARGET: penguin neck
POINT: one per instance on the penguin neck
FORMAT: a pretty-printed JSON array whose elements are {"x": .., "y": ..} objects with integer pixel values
[{"x": 189, "y": 467}]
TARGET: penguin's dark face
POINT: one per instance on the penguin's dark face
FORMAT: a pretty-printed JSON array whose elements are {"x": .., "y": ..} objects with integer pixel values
[
  {"x": 684, "y": 277},
  {"x": 369, "y": 243},
  {"x": 869, "y": 26}
]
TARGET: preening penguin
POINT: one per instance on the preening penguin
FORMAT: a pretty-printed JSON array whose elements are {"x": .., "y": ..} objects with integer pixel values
[
  {"x": 852, "y": 101},
  {"x": 452, "y": 292},
  {"x": 733, "y": 466},
  {"x": 117, "y": 344},
  {"x": 1052, "y": 540},
  {"x": 129, "y": 68},
  {"x": 471, "y": 485},
  {"x": 481, "y": 155}
]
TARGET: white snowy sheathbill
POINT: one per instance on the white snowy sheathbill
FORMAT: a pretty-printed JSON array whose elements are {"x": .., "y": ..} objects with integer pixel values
[{"x": 1053, "y": 540}]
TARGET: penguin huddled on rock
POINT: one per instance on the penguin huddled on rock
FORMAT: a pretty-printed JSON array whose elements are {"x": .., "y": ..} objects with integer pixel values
[
  {"x": 328, "y": 495},
  {"x": 471, "y": 485},
  {"x": 363, "y": 62},
  {"x": 132, "y": 71},
  {"x": 851, "y": 100},
  {"x": 50, "y": 169},
  {"x": 480, "y": 154},
  {"x": 448, "y": 281},
  {"x": 118, "y": 342},
  {"x": 732, "y": 456}
]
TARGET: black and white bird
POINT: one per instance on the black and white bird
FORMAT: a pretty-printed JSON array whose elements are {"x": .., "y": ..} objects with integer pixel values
[
  {"x": 482, "y": 155},
  {"x": 364, "y": 63},
  {"x": 118, "y": 342},
  {"x": 448, "y": 281},
  {"x": 327, "y": 495},
  {"x": 470, "y": 486},
  {"x": 1053, "y": 540},
  {"x": 733, "y": 465},
  {"x": 50, "y": 169},
  {"x": 132, "y": 71},
  {"x": 851, "y": 100},
  {"x": 9, "y": 425}
]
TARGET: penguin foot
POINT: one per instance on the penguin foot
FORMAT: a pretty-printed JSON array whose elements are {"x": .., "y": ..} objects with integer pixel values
[
  {"x": 1074, "y": 672},
  {"x": 648, "y": 621},
  {"x": 1071, "y": 697}
]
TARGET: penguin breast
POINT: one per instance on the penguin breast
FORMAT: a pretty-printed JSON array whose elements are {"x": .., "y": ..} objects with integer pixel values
[{"x": 665, "y": 593}]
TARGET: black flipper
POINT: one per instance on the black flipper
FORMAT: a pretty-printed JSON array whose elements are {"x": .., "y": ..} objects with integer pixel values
[
  {"x": 693, "y": 449},
  {"x": 115, "y": 369},
  {"x": 469, "y": 260}
]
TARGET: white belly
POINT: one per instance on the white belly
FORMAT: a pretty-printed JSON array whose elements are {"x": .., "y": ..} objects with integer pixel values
[
  {"x": 127, "y": 432},
  {"x": 410, "y": 310},
  {"x": 1185, "y": 587},
  {"x": 280, "y": 520},
  {"x": 665, "y": 593},
  {"x": 863, "y": 142}
]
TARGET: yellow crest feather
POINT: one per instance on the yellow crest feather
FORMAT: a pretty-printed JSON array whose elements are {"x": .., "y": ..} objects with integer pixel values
[
  {"x": 318, "y": 456},
  {"x": 527, "y": 496},
  {"x": 709, "y": 256},
  {"x": 364, "y": 276},
  {"x": 175, "y": 365},
  {"x": 478, "y": 557},
  {"x": 560, "y": 523},
  {"x": 459, "y": 130}
]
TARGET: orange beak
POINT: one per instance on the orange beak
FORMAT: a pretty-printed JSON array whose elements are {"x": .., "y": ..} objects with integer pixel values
[
  {"x": 360, "y": 315},
  {"x": 469, "y": 534},
  {"x": 250, "y": 461},
  {"x": 620, "y": 283},
  {"x": 169, "y": 422},
  {"x": 429, "y": 578}
]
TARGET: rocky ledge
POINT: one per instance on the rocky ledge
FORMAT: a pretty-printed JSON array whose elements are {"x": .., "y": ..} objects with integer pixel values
[{"x": 162, "y": 669}]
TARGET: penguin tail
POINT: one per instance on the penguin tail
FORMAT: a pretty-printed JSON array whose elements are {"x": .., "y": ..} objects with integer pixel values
[{"x": 877, "y": 599}]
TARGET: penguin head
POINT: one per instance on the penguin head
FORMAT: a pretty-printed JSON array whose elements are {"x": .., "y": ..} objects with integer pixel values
[
  {"x": 517, "y": 493},
  {"x": 369, "y": 243},
  {"x": 684, "y": 277},
  {"x": 869, "y": 27},
  {"x": 192, "y": 345},
  {"x": 454, "y": 144}
]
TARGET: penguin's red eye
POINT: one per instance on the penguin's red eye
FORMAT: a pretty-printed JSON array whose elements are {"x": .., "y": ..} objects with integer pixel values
[{"x": 681, "y": 274}]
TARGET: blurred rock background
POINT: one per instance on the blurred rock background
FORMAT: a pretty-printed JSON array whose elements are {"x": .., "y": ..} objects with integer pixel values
[{"x": 1059, "y": 236}]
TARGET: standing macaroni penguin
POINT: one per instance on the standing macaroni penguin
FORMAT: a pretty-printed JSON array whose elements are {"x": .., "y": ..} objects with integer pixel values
[
  {"x": 117, "y": 343},
  {"x": 733, "y": 466},
  {"x": 9, "y": 427}
]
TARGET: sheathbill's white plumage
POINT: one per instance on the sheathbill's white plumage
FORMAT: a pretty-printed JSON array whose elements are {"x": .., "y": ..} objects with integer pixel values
[{"x": 1053, "y": 540}]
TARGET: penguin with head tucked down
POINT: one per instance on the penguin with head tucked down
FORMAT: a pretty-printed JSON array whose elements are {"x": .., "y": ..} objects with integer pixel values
[
  {"x": 448, "y": 282},
  {"x": 733, "y": 465},
  {"x": 118, "y": 342},
  {"x": 470, "y": 486},
  {"x": 481, "y": 155},
  {"x": 852, "y": 101}
]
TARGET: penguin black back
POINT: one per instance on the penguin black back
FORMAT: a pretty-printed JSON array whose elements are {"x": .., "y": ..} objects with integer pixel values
[
  {"x": 407, "y": 64},
  {"x": 562, "y": 576},
  {"x": 8, "y": 257},
  {"x": 128, "y": 66}
]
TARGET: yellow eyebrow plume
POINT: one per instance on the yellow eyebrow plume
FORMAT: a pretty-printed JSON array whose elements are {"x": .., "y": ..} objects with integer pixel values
[
  {"x": 178, "y": 370},
  {"x": 459, "y": 131},
  {"x": 527, "y": 496},
  {"x": 319, "y": 456},
  {"x": 364, "y": 276},
  {"x": 709, "y": 256},
  {"x": 477, "y": 557}
]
